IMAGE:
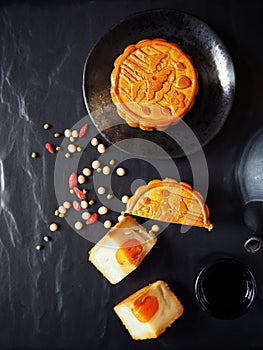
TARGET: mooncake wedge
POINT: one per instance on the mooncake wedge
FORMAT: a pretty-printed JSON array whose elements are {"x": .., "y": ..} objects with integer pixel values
[{"x": 170, "y": 201}]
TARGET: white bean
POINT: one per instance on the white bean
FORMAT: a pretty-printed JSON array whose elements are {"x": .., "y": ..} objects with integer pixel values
[
  {"x": 81, "y": 179},
  {"x": 86, "y": 172},
  {"x": 53, "y": 227},
  {"x": 84, "y": 204},
  {"x": 120, "y": 172},
  {"x": 101, "y": 190},
  {"x": 125, "y": 199},
  {"x": 85, "y": 215},
  {"x": 72, "y": 148},
  {"x": 120, "y": 218},
  {"x": 94, "y": 141},
  {"x": 67, "y": 133},
  {"x": 103, "y": 210},
  {"x": 107, "y": 224},
  {"x": 67, "y": 204},
  {"x": 106, "y": 170},
  {"x": 101, "y": 148},
  {"x": 155, "y": 228},
  {"x": 75, "y": 133},
  {"x": 62, "y": 209},
  {"x": 78, "y": 225},
  {"x": 95, "y": 164}
]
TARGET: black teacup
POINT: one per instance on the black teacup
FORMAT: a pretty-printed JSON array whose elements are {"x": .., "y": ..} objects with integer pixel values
[{"x": 225, "y": 288}]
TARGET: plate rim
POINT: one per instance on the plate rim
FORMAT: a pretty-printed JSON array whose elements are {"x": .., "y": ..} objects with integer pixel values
[{"x": 142, "y": 13}]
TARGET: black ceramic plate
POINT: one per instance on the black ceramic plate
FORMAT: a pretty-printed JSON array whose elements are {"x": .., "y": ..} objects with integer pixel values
[{"x": 216, "y": 83}]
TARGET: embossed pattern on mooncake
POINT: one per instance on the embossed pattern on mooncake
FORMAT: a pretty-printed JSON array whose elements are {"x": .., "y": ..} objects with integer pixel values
[
  {"x": 170, "y": 201},
  {"x": 153, "y": 84}
]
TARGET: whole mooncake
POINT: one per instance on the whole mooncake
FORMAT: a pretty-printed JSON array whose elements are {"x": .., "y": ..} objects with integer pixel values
[{"x": 153, "y": 84}]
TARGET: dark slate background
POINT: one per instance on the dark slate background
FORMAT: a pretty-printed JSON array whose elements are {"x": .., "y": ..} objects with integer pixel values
[{"x": 55, "y": 299}]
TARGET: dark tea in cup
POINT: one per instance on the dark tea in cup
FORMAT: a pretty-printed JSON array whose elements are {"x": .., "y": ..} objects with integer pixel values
[{"x": 225, "y": 288}]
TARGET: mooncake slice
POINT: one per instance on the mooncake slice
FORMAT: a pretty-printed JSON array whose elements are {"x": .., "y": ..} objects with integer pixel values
[
  {"x": 147, "y": 313},
  {"x": 170, "y": 201},
  {"x": 153, "y": 84},
  {"x": 122, "y": 249}
]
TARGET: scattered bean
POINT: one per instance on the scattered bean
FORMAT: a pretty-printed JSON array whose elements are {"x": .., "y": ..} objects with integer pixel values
[
  {"x": 62, "y": 209},
  {"x": 46, "y": 126},
  {"x": 120, "y": 218},
  {"x": 94, "y": 141},
  {"x": 120, "y": 172},
  {"x": 79, "y": 149},
  {"x": 85, "y": 215},
  {"x": 72, "y": 139},
  {"x": 155, "y": 228},
  {"x": 106, "y": 170},
  {"x": 91, "y": 202},
  {"x": 84, "y": 204},
  {"x": 107, "y": 224},
  {"x": 101, "y": 190},
  {"x": 72, "y": 148},
  {"x": 75, "y": 133},
  {"x": 86, "y": 172},
  {"x": 81, "y": 179},
  {"x": 78, "y": 225},
  {"x": 56, "y": 212},
  {"x": 53, "y": 227},
  {"x": 109, "y": 196},
  {"x": 99, "y": 170},
  {"x": 39, "y": 247},
  {"x": 103, "y": 210},
  {"x": 61, "y": 215},
  {"x": 95, "y": 164},
  {"x": 57, "y": 134},
  {"x": 67, "y": 133},
  {"x": 34, "y": 155},
  {"x": 58, "y": 148},
  {"x": 67, "y": 155},
  {"x": 84, "y": 191},
  {"x": 67, "y": 204},
  {"x": 125, "y": 199},
  {"x": 112, "y": 162},
  {"x": 71, "y": 191},
  {"x": 47, "y": 238},
  {"x": 101, "y": 148}
]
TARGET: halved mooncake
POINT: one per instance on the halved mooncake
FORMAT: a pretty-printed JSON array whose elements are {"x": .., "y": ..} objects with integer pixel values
[
  {"x": 170, "y": 201},
  {"x": 147, "y": 313},
  {"x": 153, "y": 84},
  {"x": 122, "y": 249}
]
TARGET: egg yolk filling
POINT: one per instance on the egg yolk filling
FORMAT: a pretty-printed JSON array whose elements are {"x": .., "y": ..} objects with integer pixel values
[
  {"x": 145, "y": 308},
  {"x": 129, "y": 252}
]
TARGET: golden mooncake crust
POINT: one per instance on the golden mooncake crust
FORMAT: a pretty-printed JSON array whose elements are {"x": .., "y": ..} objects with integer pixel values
[
  {"x": 153, "y": 84},
  {"x": 170, "y": 201}
]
